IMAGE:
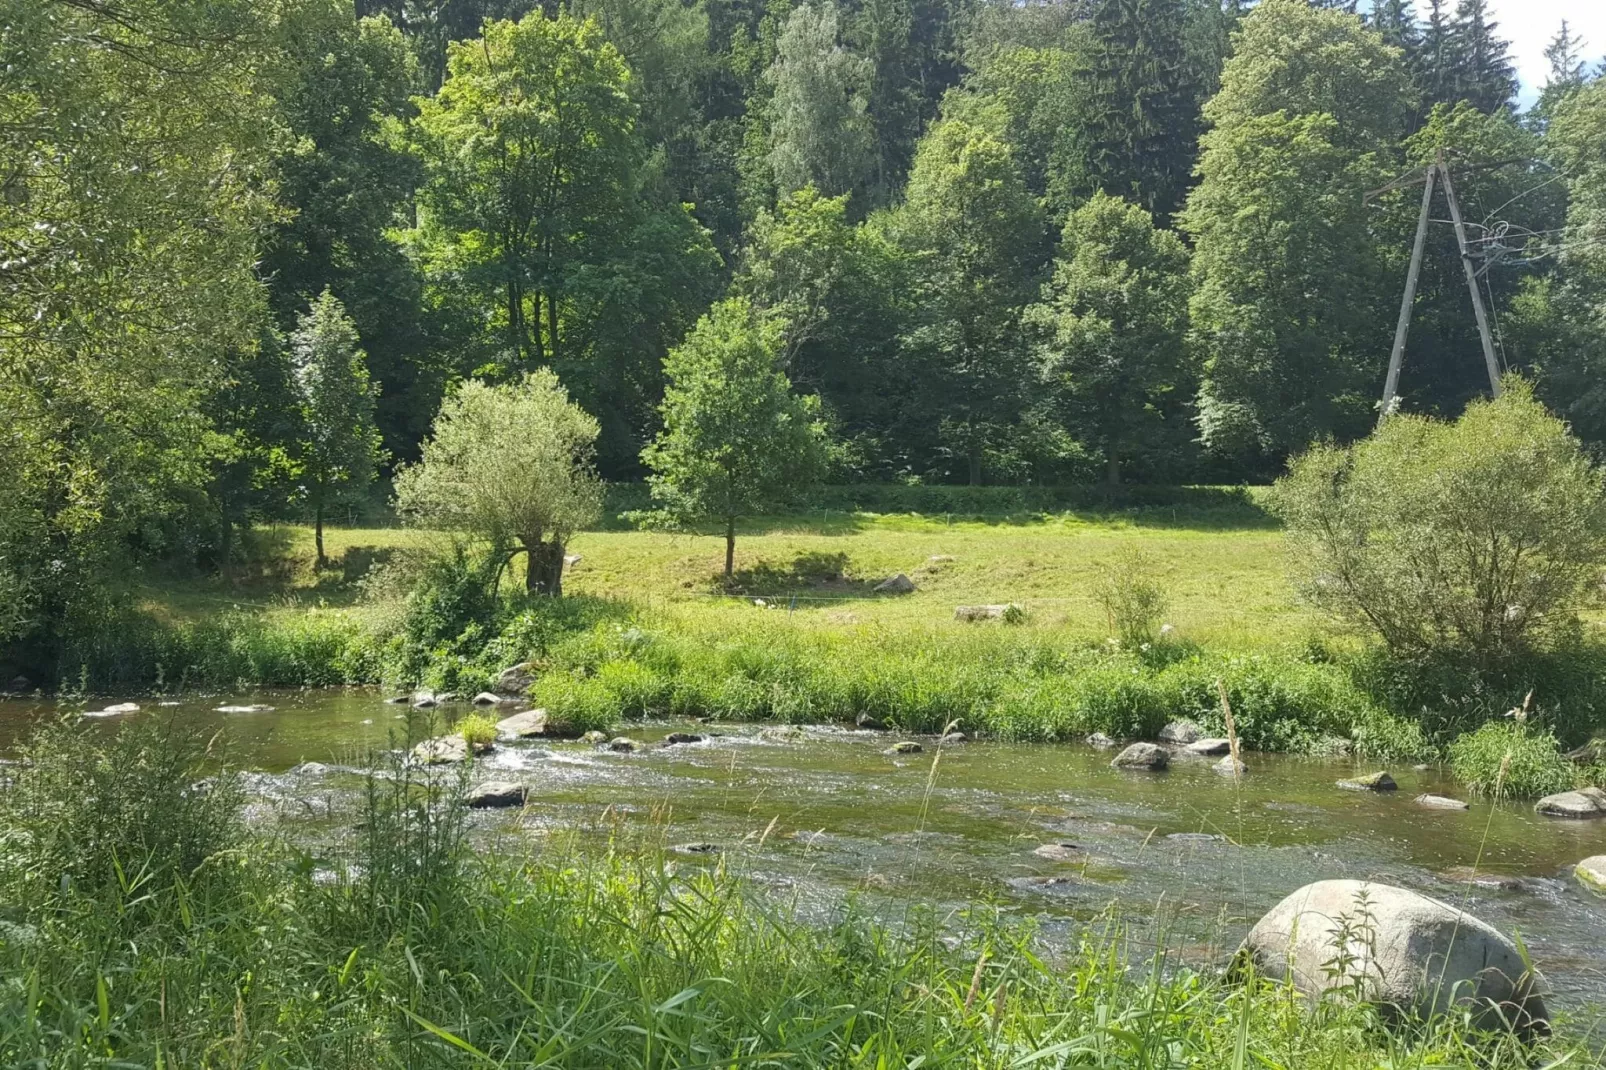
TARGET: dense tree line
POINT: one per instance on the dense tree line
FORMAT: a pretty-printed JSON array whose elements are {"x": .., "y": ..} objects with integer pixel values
[{"x": 248, "y": 248}]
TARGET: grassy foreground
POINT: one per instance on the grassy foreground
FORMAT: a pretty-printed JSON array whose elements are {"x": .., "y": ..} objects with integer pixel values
[{"x": 144, "y": 926}]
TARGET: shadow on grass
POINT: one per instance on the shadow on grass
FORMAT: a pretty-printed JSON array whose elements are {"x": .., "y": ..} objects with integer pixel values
[{"x": 822, "y": 577}]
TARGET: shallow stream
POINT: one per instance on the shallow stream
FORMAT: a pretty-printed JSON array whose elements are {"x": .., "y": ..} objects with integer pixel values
[{"x": 824, "y": 810}]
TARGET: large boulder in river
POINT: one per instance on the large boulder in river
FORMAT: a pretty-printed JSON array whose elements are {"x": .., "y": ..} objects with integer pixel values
[
  {"x": 1370, "y": 782},
  {"x": 1591, "y": 873},
  {"x": 1181, "y": 732},
  {"x": 516, "y": 679},
  {"x": 1150, "y": 757},
  {"x": 1396, "y": 948},
  {"x": 1583, "y": 803},
  {"x": 522, "y": 725},
  {"x": 496, "y": 793},
  {"x": 442, "y": 750}
]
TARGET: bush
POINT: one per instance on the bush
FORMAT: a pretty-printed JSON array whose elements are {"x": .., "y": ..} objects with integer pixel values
[
  {"x": 1474, "y": 538},
  {"x": 1511, "y": 761},
  {"x": 477, "y": 730},
  {"x": 1128, "y": 589}
]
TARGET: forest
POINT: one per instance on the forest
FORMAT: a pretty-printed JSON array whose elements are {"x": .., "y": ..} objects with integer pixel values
[{"x": 248, "y": 249}]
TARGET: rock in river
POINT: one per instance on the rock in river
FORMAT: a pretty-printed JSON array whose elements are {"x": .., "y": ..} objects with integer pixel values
[
  {"x": 1397, "y": 948},
  {"x": 594, "y": 736},
  {"x": 1210, "y": 747},
  {"x": 496, "y": 793},
  {"x": 904, "y": 746},
  {"x": 870, "y": 721},
  {"x": 442, "y": 750},
  {"x": 1230, "y": 766},
  {"x": 952, "y": 737},
  {"x": 624, "y": 745},
  {"x": 676, "y": 738},
  {"x": 488, "y": 698},
  {"x": 1100, "y": 740},
  {"x": 114, "y": 711},
  {"x": 1060, "y": 852},
  {"x": 522, "y": 725},
  {"x": 1585, "y": 802},
  {"x": 1440, "y": 802},
  {"x": 1591, "y": 873},
  {"x": 255, "y": 707},
  {"x": 1369, "y": 782},
  {"x": 1148, "y": 756},
  {"x": 696, "y": 848},
  {"x": 1181, "y": 732}
]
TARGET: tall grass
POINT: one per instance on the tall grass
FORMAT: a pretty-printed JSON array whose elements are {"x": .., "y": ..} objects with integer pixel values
[{"x": 421, "y": 952}]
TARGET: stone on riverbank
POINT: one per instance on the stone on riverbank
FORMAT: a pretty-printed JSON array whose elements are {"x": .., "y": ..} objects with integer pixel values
[
  {"x": 1583, "y": 803},
  {"x": 1181, "y": 733},
  {"x": 1100, "y": 740},
  {"x": 425, "y": 700},
  {"x": 522, "y": 725},
  {"x": 904, "y": 746},
  {"x": 1150, "y": 757},
  {"x": 1441, "y": 802},
  {"x": 952, "y": 738},
  {"x": 488, "y": 698},
  {"x": 1397, "y": 948},
  {"x": 869, "y": 721},
  {"x": 496, "y": 793},
  {"x": 899, "y": 584},
  {"x": 1370, "y": 782},
  {"x": 516, "y": 679},
  {"x": 1591, "y": 873},
  {"x": 1210, "y": 747}
]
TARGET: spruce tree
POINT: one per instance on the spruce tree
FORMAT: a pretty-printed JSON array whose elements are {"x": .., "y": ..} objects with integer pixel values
[
  {"x": 1435, "y": 58},
  {"x": 1485, "y": 76},
  {"x": 1142, "y": 116},
  {"x": 1395, "y": 21}
]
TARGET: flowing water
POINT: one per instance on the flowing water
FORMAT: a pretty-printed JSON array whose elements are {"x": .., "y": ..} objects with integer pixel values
[{"x": 1189, "y": 856}]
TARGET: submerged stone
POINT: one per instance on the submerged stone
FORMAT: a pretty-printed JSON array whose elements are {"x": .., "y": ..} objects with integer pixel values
[
  {"x": 1150, "y": 757},
  {"x": 594, "y": 736},
  {"x": 1441, "y": 802},
  {"x": 904, "y": 746},
  {"x": 1101, "y": 741},
  {"x": 1060, "y": 852},
  {"x": 677, "y": 738},
  {"x": 1230, "y": 766},
  {"x": 253, "y": 708},
  {"x": 696, "y": 848},
  {"x": 1370, "y": 782},
  {"x": 624, "y": 745}
]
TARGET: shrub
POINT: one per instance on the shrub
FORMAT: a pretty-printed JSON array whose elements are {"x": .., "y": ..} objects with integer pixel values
[
  {"x": 1472, "y": 538},
  {"x": 477, "y": 730},
  {"x": 1511, "y": 761},
  {"x": 1129, "y": 591}
]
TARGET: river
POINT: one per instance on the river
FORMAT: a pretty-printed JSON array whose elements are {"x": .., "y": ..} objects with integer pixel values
[{"x": 1188, "y": 856}]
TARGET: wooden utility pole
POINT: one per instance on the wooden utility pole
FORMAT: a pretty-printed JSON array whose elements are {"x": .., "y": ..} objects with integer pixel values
[
  {"x": 1392, "y": 384},
  {"x": 1439, "y": 168},
  {"x": 1472, "y": 280}
]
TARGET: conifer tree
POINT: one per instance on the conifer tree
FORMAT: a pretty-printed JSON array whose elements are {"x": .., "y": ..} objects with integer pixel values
[{"x": 1484, "y": 74}]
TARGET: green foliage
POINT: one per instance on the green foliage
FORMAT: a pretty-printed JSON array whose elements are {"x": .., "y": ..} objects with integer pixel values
[
  {"x": 1510, "y": 761},
  {"x": 342, "y": 445},
  {"x": 819, "y": 131},
  {"x": 512, "y": 466},
  {"x": 1112, "y": 331},
  {"x": 1479, "y": 537},
  {"x": 1288, "y": 312},
  {"x": 1133, "y": 599},
  {"x": 736, "y": 440},
  {"x": 477, "y": 729}
]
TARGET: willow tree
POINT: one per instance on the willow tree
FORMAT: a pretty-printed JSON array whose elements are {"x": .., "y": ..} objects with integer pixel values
[{"x": 511, "y": 464}]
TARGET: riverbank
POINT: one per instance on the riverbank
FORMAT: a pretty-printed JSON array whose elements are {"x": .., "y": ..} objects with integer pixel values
[{"x": 399, "y": 940}]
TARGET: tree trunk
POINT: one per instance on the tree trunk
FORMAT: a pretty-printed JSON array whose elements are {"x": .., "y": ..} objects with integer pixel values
[
  {"x": 225, "y": 542},
  {"x": 975, "y": 466},
  {"x": 552, "y": 325},
  {"x": 317, "y": 531},
  {"x": 543, "y": 573},
  {"x": 730, "y": 546},
  {"x": 1112, "y": 470}
]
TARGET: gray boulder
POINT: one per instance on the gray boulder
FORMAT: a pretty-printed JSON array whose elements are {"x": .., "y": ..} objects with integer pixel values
[
  {"x": 1181, "y": 732},
  {"x": 425, "y": 700},
  {"x": 1370, "y": 782},
  {"x": 1396, "y": 948},
  {"x": 1591, "y": 873},
  {"x": 870, "y": 721},
  {"x": 496, "y": 793},
  {"x": 594, "y": 736},
  {"x": 899, "y": 584},
  {"x": 442, "y": 750},
  {"x": 1583, "y": 803},
  {"x": 904, "y": 746},
  {"x": 1210, "y": 747},
  {"x": 1440, "y": 802},
  {"x": 522, "y": 725},
  {"x": 1100, "y": 740},
  {"x": 1150, "y": 757},
  {"x": 675, "y": 739},
  {"x": 624, "y": 745},
  {"x": 952, "y": 737},
  {"x": 1230, "y": 766},
  {"x": 488, "y": 698},
  {"x": 516, "y": 679},
  {"x": 19, "y": 685}
]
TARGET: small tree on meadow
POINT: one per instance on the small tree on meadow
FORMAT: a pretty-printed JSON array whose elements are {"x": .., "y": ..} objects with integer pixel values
[
  {"x": 511, "y": 464},
  {"x": 736, "y": 440},
  {"x": 1473, "y": 538},
  {"x": 341, "y": 444}
]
